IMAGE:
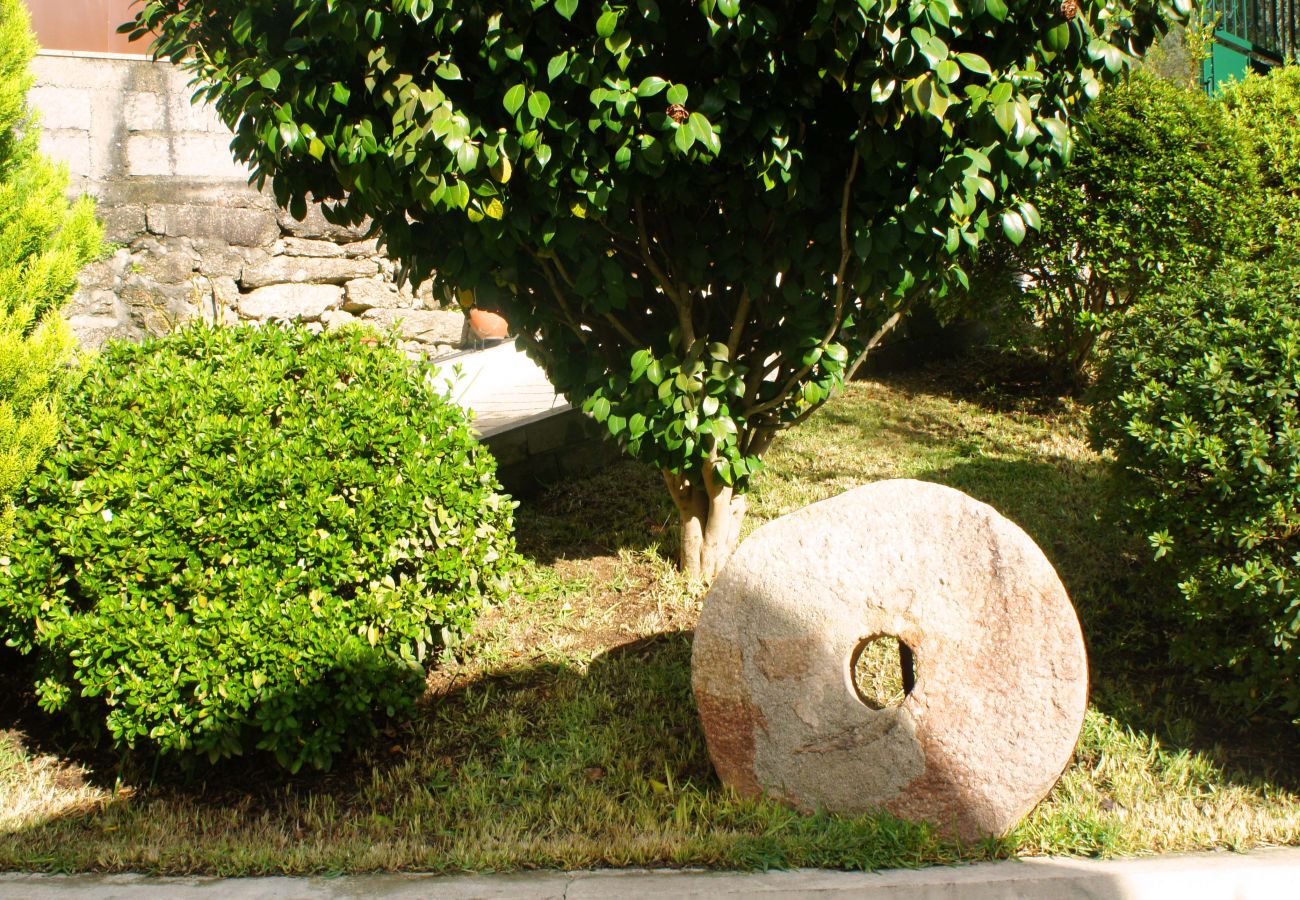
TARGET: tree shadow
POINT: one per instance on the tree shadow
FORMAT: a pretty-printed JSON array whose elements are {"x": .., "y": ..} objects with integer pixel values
[
  {"x": 351, "y": 679},
  {"x": 1123, "y": 597},
  {"x": 622, "y": 507},
  {"x": 542, "y": 737}
]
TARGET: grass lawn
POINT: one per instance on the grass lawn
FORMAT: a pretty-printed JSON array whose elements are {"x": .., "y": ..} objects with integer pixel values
[{"x": 568, "y": 737}]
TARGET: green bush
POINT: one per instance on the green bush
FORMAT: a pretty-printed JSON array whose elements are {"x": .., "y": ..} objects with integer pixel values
[
  {"x": 1267, "y": 108},
  {"x": 251, "y": 538},
  {"x": 1198, "y": 400},
  {"x": 44, "y": 243},
  {"x": 1162, "y": 189}
]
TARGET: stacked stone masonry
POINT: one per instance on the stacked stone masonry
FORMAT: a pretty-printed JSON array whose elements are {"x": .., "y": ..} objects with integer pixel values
[{"x": 193, "y": 238}]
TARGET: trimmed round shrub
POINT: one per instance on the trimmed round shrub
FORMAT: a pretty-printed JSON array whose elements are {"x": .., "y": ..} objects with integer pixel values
[
  {"x": 252, "y": 538},
  {"x": 1198, "y": 401}
]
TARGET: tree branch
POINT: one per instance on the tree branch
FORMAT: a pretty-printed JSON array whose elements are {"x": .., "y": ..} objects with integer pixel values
[
  {"x": 670, "y": 290},
  {"x": 841, "y": 294}
]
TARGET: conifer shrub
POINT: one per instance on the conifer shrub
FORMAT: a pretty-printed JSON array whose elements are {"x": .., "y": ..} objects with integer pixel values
[
  {"x": 1199, "y": 400},
  {"x": 251, "y": 538},
  {"x": 44, "y": 243}
]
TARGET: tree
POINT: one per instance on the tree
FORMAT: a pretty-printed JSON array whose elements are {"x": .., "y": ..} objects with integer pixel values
[
  {"x": 44, "y": 242},
  {"x": 700, "y": 213}
]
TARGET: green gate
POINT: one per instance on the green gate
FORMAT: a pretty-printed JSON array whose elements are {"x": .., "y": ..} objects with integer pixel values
[{"x": 1250, "y": 36}]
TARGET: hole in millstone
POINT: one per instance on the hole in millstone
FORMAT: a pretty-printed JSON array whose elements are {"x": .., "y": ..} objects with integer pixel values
[{"x": 884, "y": 671}]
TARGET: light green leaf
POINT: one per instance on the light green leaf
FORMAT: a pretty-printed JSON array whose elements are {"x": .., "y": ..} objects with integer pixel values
[
  {"x": 555, "y": 68},
  {"x": 539, "y": 104},
  {"x": 1013, "y": 226},
  {"x": 514, "y": 99},
  {"x": 650, "y": 86}
]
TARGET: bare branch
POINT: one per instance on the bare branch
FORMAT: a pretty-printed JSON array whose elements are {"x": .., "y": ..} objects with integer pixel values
[{"x": 738, "y": 324}]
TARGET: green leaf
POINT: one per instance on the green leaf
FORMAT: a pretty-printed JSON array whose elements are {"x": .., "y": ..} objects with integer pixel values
[
  {"x": 1013, "y": 226},
  {"x": 539, "y": 104},
  {"x": 684, "y": 138},
  {"x": 1029, "y": 213},
  {"x": 651, "y": 85},
  {"x": 566, "y": 8},
  {"x": 556, "y": 67},
  {"x": 607, "y": 24},
  {"x": 678, "y": 94},
  {"x": 467, "y": 157},
  {"x": 640, "y": 362},
  {"x": 973, "y": 62},
  {"x": 514, "y": 99},
  {"x": 1058, "y": 38},
  {"x": 702, "y": 130},
  {"x": 599, "y": 408},
  {"x": 1005, "y": 115},
  {"x": 270, "y": 79},
  {"x": 997, "y": 9}
]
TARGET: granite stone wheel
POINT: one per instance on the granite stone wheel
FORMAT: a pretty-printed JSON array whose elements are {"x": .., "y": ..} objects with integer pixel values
[{"x": 1001, "y": 676}]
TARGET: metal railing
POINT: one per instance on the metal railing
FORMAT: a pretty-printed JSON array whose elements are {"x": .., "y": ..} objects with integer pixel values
[{"x": 1271, "y": 27}]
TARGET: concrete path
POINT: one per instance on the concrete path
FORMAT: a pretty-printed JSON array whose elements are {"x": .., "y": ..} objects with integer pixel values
[
  {"x": 502, "y": 385},
  {"x": 1262, "y": 875}
]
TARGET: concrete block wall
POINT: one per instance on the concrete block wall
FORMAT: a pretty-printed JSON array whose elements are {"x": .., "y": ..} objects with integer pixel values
[{"x": 194, "y": 239}]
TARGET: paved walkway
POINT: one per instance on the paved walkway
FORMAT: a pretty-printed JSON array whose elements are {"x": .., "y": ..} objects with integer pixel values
[
  {"x": 502, "y": 385},
  {"x": 1262, "y": 875}
]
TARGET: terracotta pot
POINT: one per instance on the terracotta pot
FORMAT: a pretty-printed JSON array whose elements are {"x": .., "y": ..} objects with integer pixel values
[{"x": 487, "y": 326}]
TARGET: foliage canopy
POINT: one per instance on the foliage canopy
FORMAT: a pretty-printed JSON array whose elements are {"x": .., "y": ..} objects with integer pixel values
[
  {"x": 1163, "y": 188},
  {"x": 696, "y": 215}
]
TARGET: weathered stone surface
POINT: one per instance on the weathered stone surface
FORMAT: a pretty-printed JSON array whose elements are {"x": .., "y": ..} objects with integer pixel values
[
  {"x": 306, "y": 270},
  {"x": 290, "y": 301},
  {"x": 369, "y": 293},
  {"x": 421, "y": 326},
  {"x": 122, "y": 224},
  {"x": 1001, "y": 673},
  {"x": 368, "y": 247},
  {"x": 292, "y": 246},
  {"x": 316, "y": 227},
  {"x": 236, "y": 226},
  {"x": 336, "y": 318}
]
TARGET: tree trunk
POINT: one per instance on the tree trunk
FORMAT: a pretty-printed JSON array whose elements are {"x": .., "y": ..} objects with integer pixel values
[{"x": 711, "y": 514}]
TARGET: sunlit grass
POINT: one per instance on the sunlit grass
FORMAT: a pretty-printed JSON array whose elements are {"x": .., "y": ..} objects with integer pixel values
[{"x": 567, "y": 737}]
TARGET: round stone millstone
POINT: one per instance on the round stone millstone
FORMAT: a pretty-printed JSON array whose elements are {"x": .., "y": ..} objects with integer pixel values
[{"x": 1001, "y": 676}]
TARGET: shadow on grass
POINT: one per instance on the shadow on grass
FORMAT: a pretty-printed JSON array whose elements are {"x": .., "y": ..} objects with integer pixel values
[
  {"x": 622, "y": 507},
  {"x": 1122, "y": 597},
  {"x": 548, "y": 765}
]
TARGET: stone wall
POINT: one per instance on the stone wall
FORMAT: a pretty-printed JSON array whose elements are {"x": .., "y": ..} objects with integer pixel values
[{"x": 193, "y": 238}]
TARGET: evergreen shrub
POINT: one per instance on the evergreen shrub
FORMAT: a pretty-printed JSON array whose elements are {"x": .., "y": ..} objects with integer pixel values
[
  {"x": 1267, "y": 109},
  {"x": 1163, "y": 188},
  {"x": 251, "y": 538},
  {"x": 44, "y": 243},
  {"x": 1199, "y": 400}
]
